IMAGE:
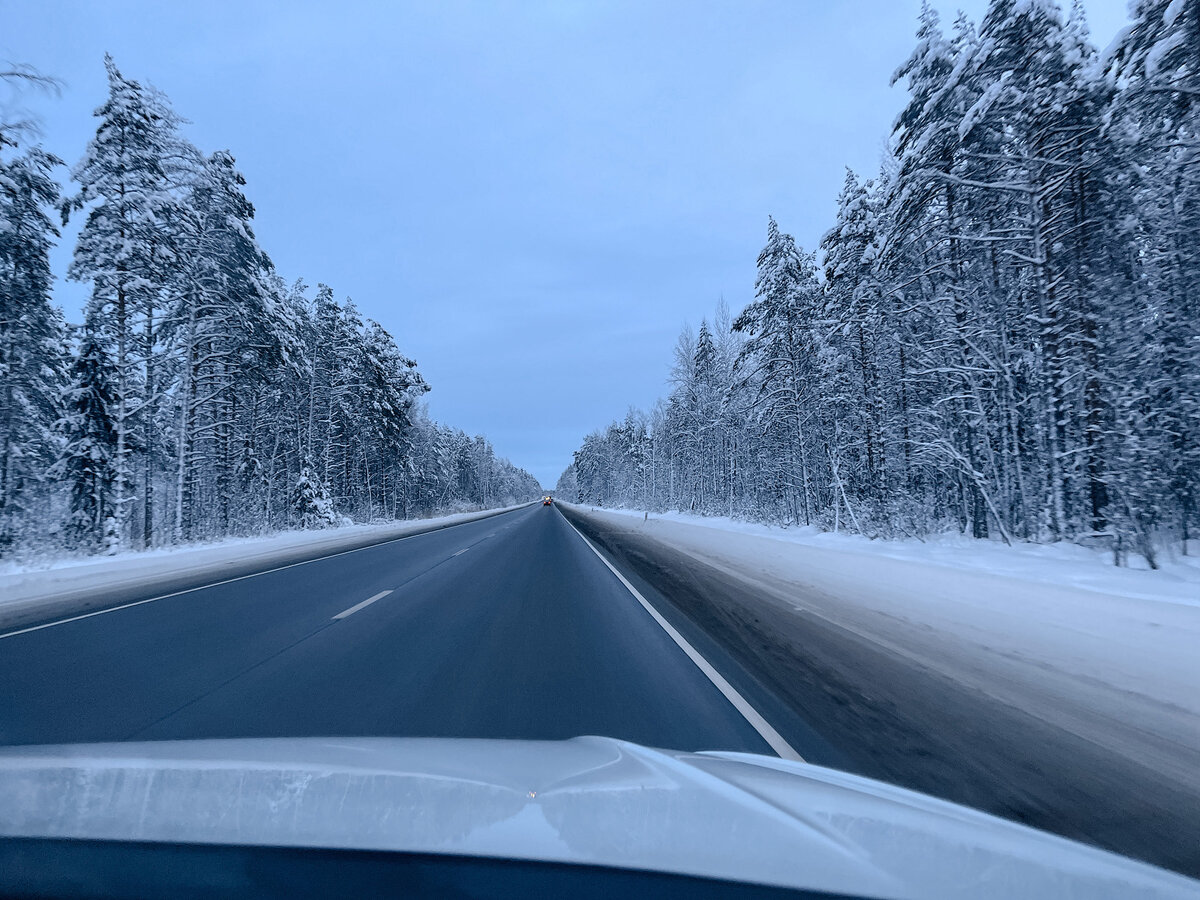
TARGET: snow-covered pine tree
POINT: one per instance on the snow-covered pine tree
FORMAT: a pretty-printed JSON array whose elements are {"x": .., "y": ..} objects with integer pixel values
[
  {"x": 124, "y": 250},
  {"x": 284, "y": 439},
  {"x": 87, "y": 463},
  {"x": 233, "y": 333},
  {"x": 329, "y": 345},
  {"x": 777, "y": 359},
  {"x": 389, "y": 387},
  {"x": 32, "y": 337},
  {"x": 1023, "y": 160},
  {"x": 853, "y": 341},
  {"x": 1006, "y": 337},
  {"x": 931, "y": 273},
  {"x": 1153, "y": 71}
]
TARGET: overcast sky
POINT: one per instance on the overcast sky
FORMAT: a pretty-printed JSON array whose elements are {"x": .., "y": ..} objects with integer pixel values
[{"x": 532, "y": 197}]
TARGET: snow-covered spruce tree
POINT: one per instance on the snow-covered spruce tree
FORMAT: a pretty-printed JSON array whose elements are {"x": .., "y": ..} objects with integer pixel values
[
  {"x": 87, "y": 461},
  {"x": 777, "y": 361},
  {"x": 32, "y": 337},
  {"x": 126, "y": 251},
  {"x": 330, "y": 344},
  {"x": 389, "y": 386},
  {"x": 311, "y": 503},
  {"x": 688, "y": 452},
  {"x": 694, "y": 406},
  {"x": 427, "y": 471}
]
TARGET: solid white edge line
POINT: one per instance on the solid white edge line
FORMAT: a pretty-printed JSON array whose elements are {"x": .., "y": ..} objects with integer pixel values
[
  {"x": 773, "y": 738},
  {"x": 352, "y": 610},
  {"x": 204, "y": 587}
]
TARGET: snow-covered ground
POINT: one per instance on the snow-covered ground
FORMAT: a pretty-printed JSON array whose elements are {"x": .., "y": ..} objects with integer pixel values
[
  {"x": 1177, "y": 578},
  {"x": 62, "y": 584},
  {"x": 1111, "y": 654}
]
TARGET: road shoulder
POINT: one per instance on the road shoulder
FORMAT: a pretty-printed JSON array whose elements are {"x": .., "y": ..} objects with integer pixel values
[{"x": 899, "y": 721}]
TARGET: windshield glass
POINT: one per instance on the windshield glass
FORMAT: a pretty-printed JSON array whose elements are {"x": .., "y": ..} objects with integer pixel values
[{"x": 817, "y": 382}]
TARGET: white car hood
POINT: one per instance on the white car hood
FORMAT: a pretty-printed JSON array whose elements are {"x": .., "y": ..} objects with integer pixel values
[{"x": 589, "y": 800}]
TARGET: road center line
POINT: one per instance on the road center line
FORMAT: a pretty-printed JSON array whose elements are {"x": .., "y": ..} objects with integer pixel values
[
  {"x": 740, "y": 703},
  {"x": 461, "y": 552},
  {"x": 352, "y": 610}
]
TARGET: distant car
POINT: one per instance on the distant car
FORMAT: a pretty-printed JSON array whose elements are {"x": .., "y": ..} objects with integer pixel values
[{"x": 547, "y": 501}]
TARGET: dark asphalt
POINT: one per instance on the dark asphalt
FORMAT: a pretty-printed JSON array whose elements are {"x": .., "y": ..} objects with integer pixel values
[{"x": 508, "y": 627}]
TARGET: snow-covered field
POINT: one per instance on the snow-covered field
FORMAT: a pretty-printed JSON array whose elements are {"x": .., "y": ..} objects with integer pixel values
[
  {"x": 62, "y": 584},
  {"x": 1111, "y": 654}
]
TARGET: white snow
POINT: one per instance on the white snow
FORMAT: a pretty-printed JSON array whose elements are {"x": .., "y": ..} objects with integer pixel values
[
  {"x": 1111, "y": 654},
  {"x": 1155, "y": 57},
  {"x": 65, "y": 582},
  {"x": 1171, "y": 13}
]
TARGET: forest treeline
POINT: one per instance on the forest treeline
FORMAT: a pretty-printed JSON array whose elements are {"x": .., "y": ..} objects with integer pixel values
[
  {"x": 1001, "y": 331},
  {"x": 202, "y": 395}
]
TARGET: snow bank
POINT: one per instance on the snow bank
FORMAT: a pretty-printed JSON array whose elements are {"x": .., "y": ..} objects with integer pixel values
[
  {"x": 1112, "y": 654},
  {"x": 1176, "y": 580},
  {"x": 65, "y": 586}
]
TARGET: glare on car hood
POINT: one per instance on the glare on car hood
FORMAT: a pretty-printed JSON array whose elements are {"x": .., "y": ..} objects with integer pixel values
[{"x": 589, "y": 800}]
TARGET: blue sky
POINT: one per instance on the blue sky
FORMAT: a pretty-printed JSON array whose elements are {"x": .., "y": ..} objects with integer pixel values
[{"x": 532, "y": 197}]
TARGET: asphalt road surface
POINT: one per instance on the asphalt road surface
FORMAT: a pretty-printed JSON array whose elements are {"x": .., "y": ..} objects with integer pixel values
[
  {"x": 515, "y": 626},
  {"x": 507, "y": 627}
]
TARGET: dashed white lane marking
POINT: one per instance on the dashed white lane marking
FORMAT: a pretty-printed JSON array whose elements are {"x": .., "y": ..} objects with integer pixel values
[
  {"x": 203, "y": 587},
  {"x": 352, "y": 610},
  {"x": 461, "y": 552},
  {"x": 740, "y": 703}
]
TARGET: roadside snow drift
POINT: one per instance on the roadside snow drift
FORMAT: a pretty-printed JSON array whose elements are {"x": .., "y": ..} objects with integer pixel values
[{"x": 1110, "y": 654}]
